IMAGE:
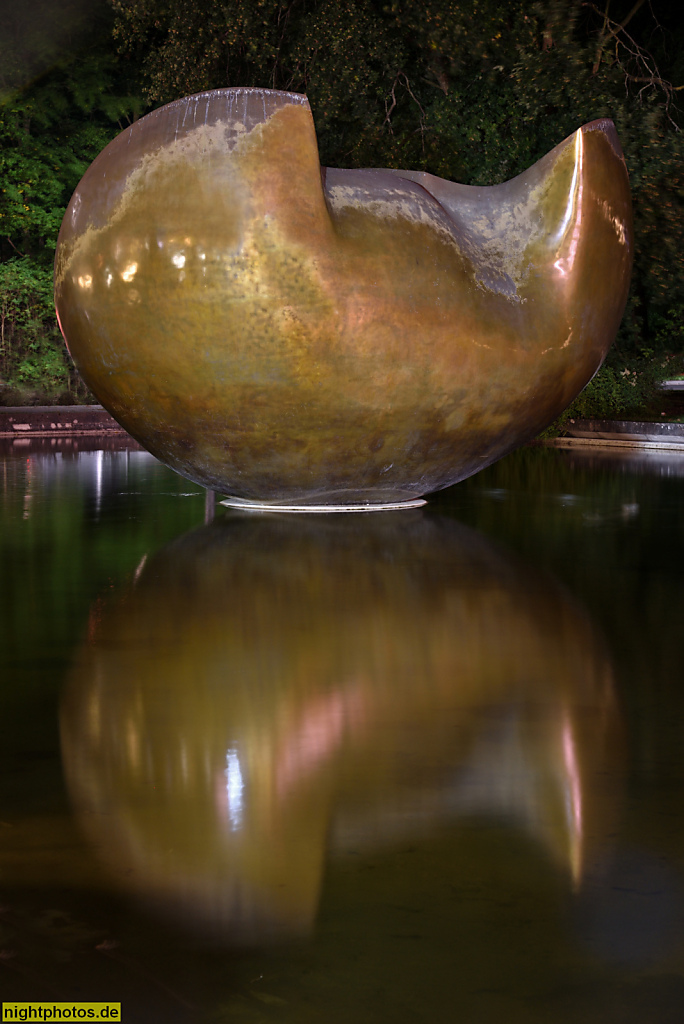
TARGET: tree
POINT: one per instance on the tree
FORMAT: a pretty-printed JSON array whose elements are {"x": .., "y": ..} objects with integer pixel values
[{"x": 50, "y": 131}]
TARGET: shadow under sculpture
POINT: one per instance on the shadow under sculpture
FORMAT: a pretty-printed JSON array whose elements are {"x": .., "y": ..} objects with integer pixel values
[
  {"x": 270, "y": 693},
  {"x": 287, "y": 333}
]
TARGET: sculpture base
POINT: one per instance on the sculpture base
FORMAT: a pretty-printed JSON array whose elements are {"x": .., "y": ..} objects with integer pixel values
[{"x": 270, "y": 506}]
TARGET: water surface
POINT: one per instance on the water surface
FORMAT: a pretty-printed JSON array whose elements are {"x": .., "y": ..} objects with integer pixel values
[{"x": 418, "y": 766}]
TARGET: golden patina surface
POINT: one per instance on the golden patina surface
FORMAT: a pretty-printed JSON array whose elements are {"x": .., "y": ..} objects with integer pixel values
[{"x": 284, "y": 332}]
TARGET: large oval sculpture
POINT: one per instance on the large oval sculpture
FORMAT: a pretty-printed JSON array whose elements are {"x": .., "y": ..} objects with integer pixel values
[{"x": 292, "y": 334}]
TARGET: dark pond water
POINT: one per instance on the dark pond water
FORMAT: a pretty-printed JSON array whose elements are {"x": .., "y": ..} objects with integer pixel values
[{"x": 404, "y": 767}]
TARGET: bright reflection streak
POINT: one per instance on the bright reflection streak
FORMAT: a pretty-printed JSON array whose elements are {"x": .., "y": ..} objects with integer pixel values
[
  {"x": 234, "y": 790},
  {"x": 574, "y": 208},
  {"x": 98, "y": 482},
  {"x": 141, "y": 566},
  {"x": 573, "y": 798},
  {"x": 129, "y": 273},
  {"x": 178, "y": 260}
]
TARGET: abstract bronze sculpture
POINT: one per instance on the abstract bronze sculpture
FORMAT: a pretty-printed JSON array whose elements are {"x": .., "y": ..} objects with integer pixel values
[{"x": 297, "y": 335}]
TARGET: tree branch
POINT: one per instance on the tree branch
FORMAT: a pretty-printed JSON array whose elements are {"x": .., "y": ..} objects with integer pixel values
[
  {"x": 602, "y": 36},
  {"x": 614, "y": 30},
  {"x": 388, "y": 110},
  {"x": 636, "y": 63}
]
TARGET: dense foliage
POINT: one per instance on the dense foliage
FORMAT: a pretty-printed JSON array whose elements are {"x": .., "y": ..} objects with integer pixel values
[
  {"x": 471, "y": 90},
  {"x": 50, "y": 131}
]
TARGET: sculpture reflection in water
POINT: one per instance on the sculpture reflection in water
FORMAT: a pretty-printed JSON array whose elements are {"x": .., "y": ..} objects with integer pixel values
[{"x": 271, "y": 691}]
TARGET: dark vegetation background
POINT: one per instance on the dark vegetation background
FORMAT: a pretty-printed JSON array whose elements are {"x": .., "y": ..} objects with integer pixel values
[{"x": 474, "y": 90}]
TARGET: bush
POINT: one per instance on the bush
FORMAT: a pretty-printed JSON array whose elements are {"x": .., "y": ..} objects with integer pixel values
[
  {"x": 34, "y": 364},
  {"x": 623, "y": 388}
]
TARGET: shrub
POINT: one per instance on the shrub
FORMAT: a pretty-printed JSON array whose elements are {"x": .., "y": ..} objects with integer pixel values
[{"x": 34, "y": 364}]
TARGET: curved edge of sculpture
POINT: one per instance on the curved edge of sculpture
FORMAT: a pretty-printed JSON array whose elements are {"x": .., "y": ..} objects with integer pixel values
[{"x": 293, "y": 335}]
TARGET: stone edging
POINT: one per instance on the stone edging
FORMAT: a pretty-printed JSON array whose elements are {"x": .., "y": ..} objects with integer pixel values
[{"x": 57, "y": 421}]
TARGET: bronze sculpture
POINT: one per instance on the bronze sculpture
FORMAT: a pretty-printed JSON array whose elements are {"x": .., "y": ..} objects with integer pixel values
[{"x": 297, "y": 335}]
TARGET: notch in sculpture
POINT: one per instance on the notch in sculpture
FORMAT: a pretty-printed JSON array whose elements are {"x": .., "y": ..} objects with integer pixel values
[{"x": 303, "y": 336}]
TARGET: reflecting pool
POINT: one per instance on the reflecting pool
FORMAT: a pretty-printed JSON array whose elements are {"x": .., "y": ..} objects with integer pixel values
[{"x": 413, "y": 766}]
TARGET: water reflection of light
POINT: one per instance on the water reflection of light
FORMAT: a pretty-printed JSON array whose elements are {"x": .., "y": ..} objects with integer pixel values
[
  {"x": 317, "y": 735},
  {"x": 140, "y": 567},
  {"x": 129, "y": 273},
  {"x": 573, "y": 799},
  {"x": 234, "y": 789},
  {"x": 99, "y": 456},
  {"x": 28, "y": 495}
]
